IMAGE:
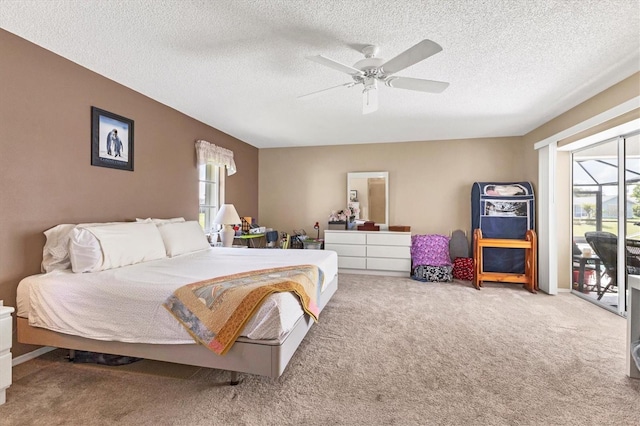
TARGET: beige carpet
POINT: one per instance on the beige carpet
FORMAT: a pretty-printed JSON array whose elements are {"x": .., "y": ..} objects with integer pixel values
[{"x": 387, "y": 351}]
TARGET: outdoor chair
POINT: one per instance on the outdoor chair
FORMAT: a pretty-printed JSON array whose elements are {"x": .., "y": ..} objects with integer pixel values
[{"x": 605, "y": 246}]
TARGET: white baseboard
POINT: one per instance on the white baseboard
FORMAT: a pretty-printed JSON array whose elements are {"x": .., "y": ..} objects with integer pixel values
[{"x": 31, "y": 355}]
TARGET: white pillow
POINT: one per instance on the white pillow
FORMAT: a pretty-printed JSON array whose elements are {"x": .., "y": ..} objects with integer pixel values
[
  {"x": 102, "y": 247},
  {"x": 55, "y": 253},
  {"x": 161, "y": 221},
  {"x": 84, "y": 251},
  {"x": 183, "y": 237}
]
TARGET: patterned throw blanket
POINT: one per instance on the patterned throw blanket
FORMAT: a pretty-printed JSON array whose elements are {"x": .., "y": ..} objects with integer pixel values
[{"x": 216, "y": 310}]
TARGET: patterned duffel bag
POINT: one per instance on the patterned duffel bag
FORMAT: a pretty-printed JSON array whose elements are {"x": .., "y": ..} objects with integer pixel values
[{"x": 432, "y": 273}]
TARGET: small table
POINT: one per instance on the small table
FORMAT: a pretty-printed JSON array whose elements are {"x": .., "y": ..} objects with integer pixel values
[
  {"x": 253, "y": 240},
  {"x": 583, "y": 261}
]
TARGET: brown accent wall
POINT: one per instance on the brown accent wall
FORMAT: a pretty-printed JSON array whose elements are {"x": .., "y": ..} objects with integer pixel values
[
  {"x": 45, "y": 153},
  {"x": 429, "y": 182}
]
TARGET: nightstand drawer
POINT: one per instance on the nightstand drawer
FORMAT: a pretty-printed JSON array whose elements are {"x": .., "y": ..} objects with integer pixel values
[
  {"x": 5, "y": 333},
  {"x": 5, "y": 370}
]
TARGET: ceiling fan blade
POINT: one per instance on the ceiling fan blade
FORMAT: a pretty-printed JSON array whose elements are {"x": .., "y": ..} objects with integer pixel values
[
  {"x": 369, "y": 101},
  {"x": 318, "y": 92},
  {"x": 411, "y": 56},
  {"x": 323, "y": 60},
  {"x": 430, "y": 86}
]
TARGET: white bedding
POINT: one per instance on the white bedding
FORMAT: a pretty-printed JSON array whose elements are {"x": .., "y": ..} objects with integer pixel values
[{"x": 125, "y": 304}]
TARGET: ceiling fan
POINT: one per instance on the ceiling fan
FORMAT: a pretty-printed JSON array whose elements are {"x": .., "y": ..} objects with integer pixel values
[{"x": 371, "y": 69}]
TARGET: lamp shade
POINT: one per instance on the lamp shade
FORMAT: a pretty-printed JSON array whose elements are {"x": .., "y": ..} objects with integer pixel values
[{"x": 227, "y": 215}]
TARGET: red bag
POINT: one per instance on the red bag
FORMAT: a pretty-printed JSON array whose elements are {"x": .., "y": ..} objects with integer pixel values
[{"x": 463, "y": 268}]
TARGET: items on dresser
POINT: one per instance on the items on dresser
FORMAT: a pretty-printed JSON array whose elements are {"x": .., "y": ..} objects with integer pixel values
[
  {"x": 377, "y": 252},
  {"x": 337, "y": 225},
  {"x": 369, "y": 226}
]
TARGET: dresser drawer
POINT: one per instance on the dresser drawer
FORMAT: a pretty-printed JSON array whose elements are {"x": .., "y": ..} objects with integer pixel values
[
  {"x": 5, "y": 333},
  {"x": 352, "y": 262},
  {"x": 396, "y": 252},
  {"x": 5, "y": 370},
  {"x": 401, "y": 265},
  {"x": 347, "y": 250},
  {"x": 385, "y": 239},
  {"x": 345, "y": 237}
]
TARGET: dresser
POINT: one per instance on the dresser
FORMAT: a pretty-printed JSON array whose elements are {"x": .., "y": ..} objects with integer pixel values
[
  {"x": 376, "y": 252},
  {"x": 5, "y": 348}
]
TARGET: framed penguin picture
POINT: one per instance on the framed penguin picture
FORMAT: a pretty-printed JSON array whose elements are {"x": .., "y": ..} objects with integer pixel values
[{"x": 111, "y": 140}]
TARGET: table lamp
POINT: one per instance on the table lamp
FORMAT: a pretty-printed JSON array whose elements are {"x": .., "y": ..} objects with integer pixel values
[{"x": 227, "y": 217}]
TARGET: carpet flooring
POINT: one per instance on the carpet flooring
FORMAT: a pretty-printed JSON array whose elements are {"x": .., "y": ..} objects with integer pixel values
[{"x": 387, "y": 351}]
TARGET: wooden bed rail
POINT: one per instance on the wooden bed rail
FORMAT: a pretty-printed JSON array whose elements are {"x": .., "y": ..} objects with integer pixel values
[{"x": 530, "y": 246}]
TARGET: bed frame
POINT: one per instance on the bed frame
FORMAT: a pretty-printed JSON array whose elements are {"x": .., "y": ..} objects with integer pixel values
[{"x": 262, "y": 357}]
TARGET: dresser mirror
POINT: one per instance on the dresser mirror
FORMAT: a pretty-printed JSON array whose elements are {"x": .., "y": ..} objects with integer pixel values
[{"x": 369, "y": 192}]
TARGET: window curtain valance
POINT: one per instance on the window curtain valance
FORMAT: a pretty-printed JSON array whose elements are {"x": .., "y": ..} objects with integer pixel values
[{"x": 208, "y": 153}]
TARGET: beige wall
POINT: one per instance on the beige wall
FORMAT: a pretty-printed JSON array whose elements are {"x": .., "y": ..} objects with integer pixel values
[
  {"x": 429, "y": 182},
  {"x": 45, "y": 172},
  {"x": 617, "y": 94}
]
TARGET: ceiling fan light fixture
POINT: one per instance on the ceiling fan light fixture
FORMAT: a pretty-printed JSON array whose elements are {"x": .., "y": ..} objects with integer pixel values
[
  {"x": 370, "y": 83},
  {"x": 370, "y": 95}
]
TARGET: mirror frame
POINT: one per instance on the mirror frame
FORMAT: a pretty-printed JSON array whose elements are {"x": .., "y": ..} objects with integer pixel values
[{"x": 362, "y": 175}]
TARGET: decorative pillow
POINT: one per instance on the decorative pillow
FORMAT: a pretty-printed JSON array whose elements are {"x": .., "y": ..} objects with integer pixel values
[
  {"x": 432, "y": 250},
  {"x": 463, "y": 268},
  {"x": 432, "y": 273},
  {"x": 161, "y": 221},
  {"x": 97, "y": 248},
  {"x": 183, "y": 237}
]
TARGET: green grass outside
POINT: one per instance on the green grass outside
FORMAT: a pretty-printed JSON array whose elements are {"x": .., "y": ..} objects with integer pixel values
[{"x": 580, "y": 226}]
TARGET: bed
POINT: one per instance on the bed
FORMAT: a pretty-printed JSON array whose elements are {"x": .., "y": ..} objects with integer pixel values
[{"x": 118, "y": 310}]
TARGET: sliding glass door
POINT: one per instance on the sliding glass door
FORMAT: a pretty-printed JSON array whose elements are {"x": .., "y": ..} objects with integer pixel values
[{"x": 606, "y": 220}]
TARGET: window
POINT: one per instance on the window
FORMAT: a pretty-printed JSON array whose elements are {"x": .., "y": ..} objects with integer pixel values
[
  {"x": 212, "y": 161},
  {"x": 209, "y": 194}
]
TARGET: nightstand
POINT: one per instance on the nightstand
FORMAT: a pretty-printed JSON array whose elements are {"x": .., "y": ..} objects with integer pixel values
[{"x": 6, "y": 328}]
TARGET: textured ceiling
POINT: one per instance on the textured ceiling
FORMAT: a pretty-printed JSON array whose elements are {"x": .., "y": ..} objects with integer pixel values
[{"x": 239, "y": 65}]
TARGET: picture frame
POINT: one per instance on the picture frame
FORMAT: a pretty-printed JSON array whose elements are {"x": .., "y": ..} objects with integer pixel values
[
  {"x": 353, "y": 195},
  {"x": 111, "y": 140}
]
